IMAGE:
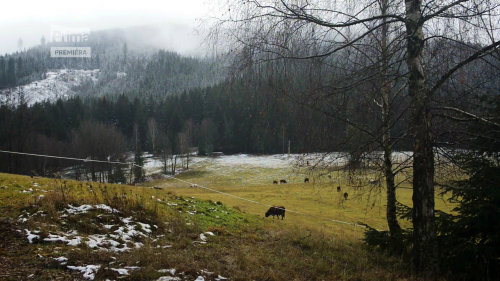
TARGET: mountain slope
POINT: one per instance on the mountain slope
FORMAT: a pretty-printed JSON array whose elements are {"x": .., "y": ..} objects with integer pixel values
[
  {"x": 58, "y": 84},
  {"x": 149, "y": 70}
]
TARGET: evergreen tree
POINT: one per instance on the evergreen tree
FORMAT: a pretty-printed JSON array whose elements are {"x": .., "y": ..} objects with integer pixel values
[
  {"x": 138, "y": 164},
  {"x": 118, "y": 175}
]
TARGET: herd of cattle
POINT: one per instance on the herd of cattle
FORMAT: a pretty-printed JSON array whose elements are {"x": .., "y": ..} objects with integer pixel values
[{"x": 280, "y": 210}]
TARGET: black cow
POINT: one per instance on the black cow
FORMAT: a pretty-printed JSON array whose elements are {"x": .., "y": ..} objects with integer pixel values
[
  {"x": 276, "y": 211},
  {"x": 338, "y": 188},
  {"x": 306, "y": 180},
  {"x": 275, "y": 182},
  {"x": 282, "y": 181},
  {"x": 345, "y": 195}
]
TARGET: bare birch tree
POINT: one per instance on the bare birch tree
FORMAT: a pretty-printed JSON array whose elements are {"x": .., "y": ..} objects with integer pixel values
[{"x": 257, "y": 32}]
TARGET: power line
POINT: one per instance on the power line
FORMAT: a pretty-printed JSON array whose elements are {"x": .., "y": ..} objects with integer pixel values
[
  {"x": 184, "y": 181},
  {"x": 69, "y": 158}
]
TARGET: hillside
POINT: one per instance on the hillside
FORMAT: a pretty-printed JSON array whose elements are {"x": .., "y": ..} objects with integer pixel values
[
  {"x": 58, "y": 84},
  {"x": 116, "y": 53},
  {"x": 60, "y": 230}
]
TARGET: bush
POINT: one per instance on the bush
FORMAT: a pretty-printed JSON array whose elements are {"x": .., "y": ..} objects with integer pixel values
[{"x": 470, "y": 241}]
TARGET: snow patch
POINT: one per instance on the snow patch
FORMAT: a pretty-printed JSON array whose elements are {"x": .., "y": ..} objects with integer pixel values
[
  {"x": 171, "y": 271},
  {"x": 75, "y": 241},
  {"x": 120, "y": 271},
  {"x": 168, "y": 278},
  {"x": 61, "y": 260},
  {"x": 88, "y": 271},
  {"x": 125, "y": 270},
  {"x": 57, "y": 84},
  {"x": 206, "y": 272},
  {"x": 203, "y": 237},
  {"x": 31, "y": 236},
  {"x": 85, "y": 208},
  {"x": 146, "y": 227}
]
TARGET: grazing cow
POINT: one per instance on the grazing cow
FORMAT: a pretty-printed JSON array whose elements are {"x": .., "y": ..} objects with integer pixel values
[
  {"x": 338, "y": 189},
  {"x": 275, "y": 182},
  {"x": 306, "y": 180},
  {"x": 282, "y": 181},
  {"x": 276, "y": 211},
  {"x": 345, "y": 195}
]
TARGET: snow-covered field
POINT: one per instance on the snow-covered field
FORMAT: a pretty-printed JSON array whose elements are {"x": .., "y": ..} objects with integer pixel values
[
  {"x": 245, "y": 170},
  {"x": 261, "y": 161},
  {"x": 275, "y": 161},
  {"x": 57, "y": 84}
]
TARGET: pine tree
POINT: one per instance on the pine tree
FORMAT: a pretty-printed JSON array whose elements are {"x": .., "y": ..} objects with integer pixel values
[{"x": 138, "y": 163}]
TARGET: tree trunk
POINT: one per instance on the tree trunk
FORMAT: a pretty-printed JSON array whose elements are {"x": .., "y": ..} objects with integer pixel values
[
  {"x": 165, "y": 160},
  {"x": 174, "y": 164},
  {"x": 424, "y": 232},
  {"x": 392, "y": 220},
  {"x": 92, "y": 171}
]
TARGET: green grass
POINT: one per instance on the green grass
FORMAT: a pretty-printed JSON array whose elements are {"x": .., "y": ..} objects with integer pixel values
[
  {"x": 319, "y": 199},
  {"x": 245, "y": 246}
]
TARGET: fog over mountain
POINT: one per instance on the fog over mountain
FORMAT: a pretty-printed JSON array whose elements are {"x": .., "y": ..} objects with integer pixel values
[{"x": 174, "y": 26}]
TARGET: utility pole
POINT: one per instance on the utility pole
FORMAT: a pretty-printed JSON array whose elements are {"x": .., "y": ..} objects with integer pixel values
[
  {"x": 288, "y": 148},
  {"x": 135, "y": 132},
  {"x": 130, "y": 174},
  {"x": 283, "y": 138}
]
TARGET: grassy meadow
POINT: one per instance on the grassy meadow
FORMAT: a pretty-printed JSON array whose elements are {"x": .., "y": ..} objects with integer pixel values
[
  {"x": 317, "y": 201},
  {"x": 70, "y": 230}
]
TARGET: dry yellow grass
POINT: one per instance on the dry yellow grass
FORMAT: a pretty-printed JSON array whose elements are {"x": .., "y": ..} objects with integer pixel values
[
  {"x": 245, "y": 247},
  {"x": 318, "y": 200}
]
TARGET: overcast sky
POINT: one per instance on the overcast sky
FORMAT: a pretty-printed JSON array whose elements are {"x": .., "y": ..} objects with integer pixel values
[{"x": 32, "y": 19}]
